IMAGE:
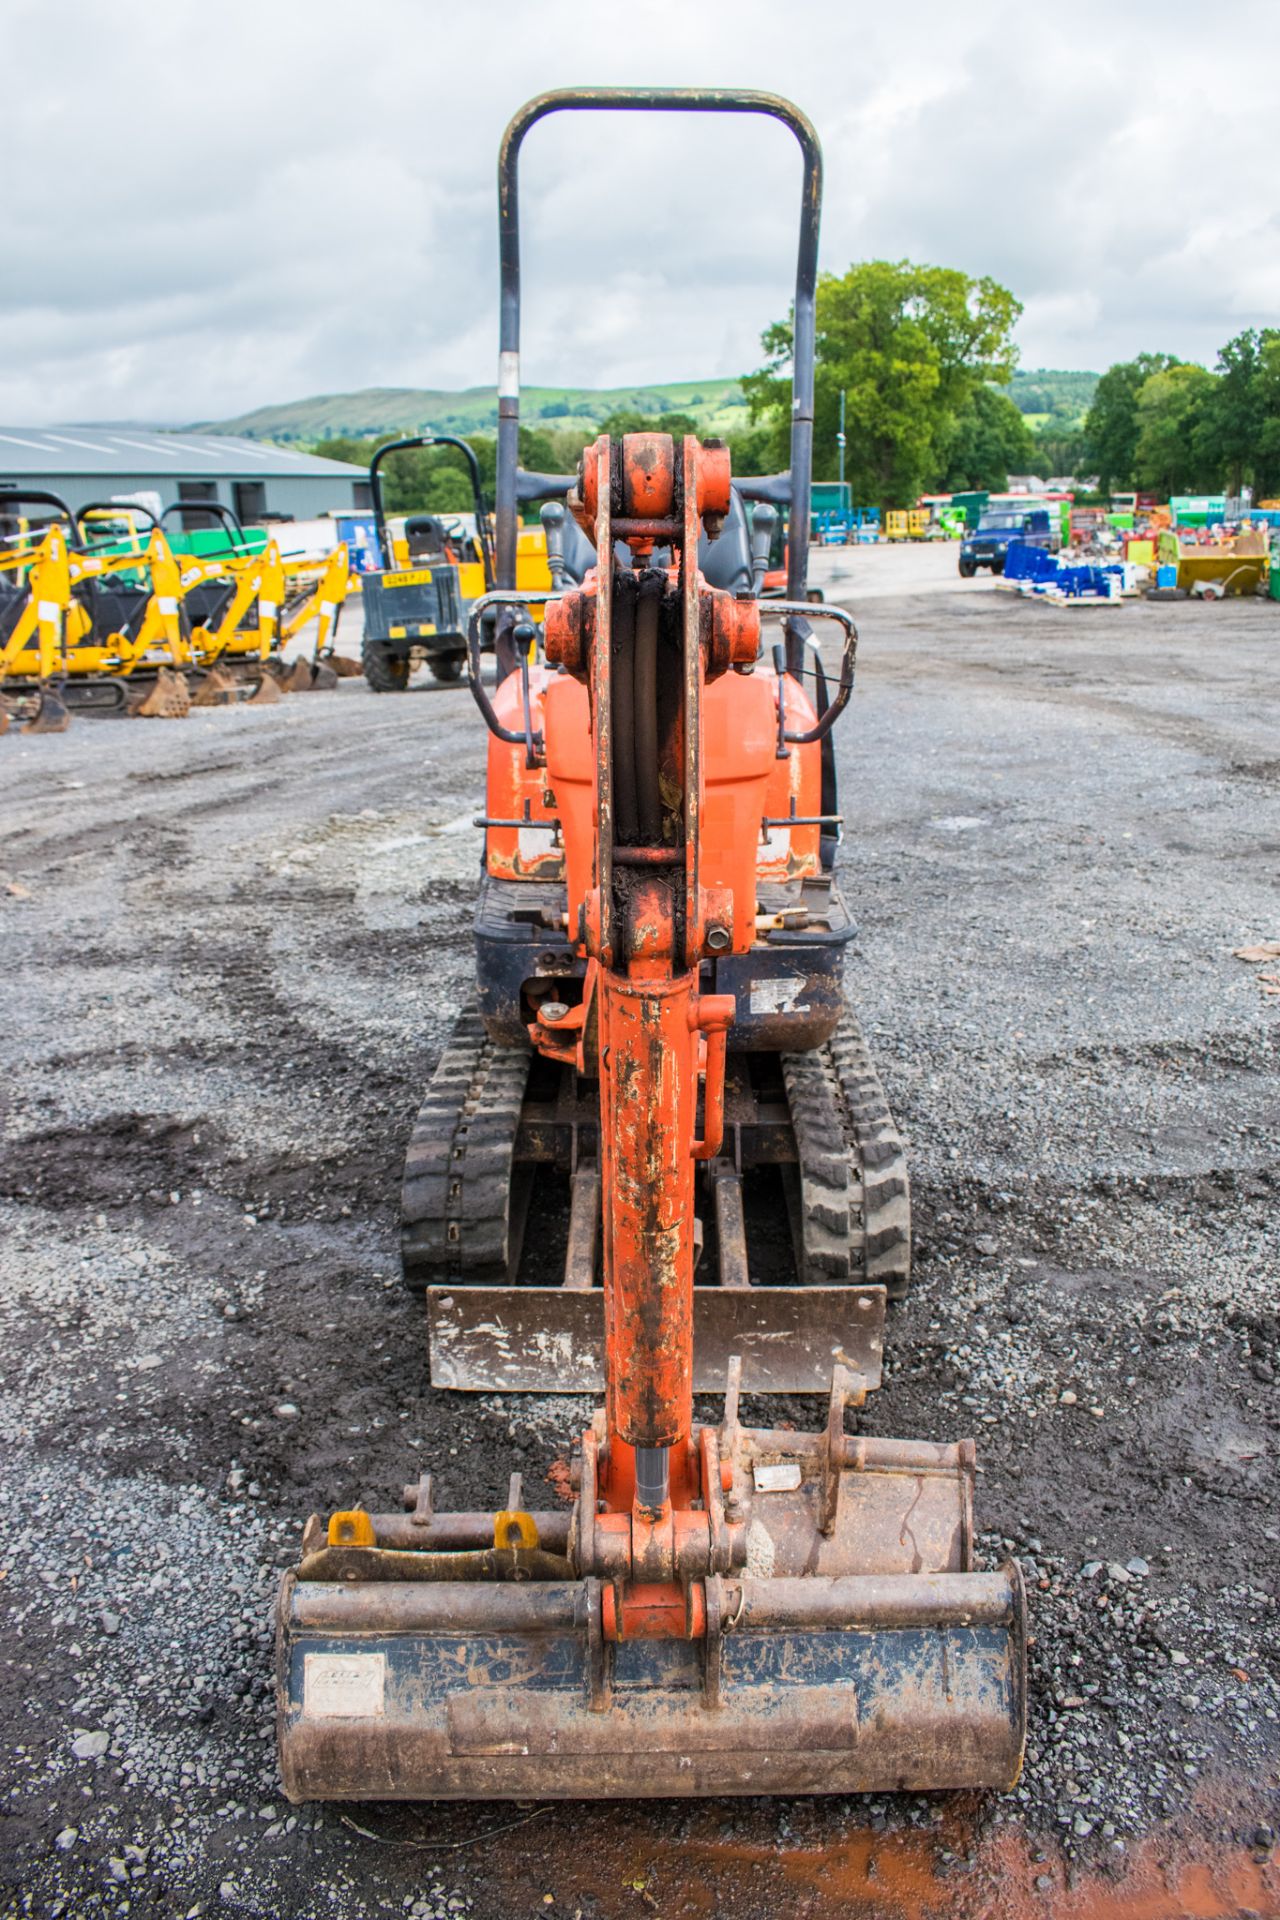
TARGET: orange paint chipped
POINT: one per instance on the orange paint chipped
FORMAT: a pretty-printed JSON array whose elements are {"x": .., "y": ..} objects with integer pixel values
[{"x": 557, "y": 1478}]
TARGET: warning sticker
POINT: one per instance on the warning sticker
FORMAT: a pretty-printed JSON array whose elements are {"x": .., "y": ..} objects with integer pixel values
[{"x": 343, "y": 1686}]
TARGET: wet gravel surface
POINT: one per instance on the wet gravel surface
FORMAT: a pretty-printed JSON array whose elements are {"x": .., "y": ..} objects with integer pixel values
[{"x": 234, "y": 948}]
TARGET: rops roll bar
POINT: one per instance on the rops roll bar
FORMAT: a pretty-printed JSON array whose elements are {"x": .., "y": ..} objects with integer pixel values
[
  {"x": 32, "y": 496},
  {"x": 216, "y": 510},
  {"x": 122, "y": 509},
  {"x": 662, "y": 100},
  {"x": 431, "y": 440}
]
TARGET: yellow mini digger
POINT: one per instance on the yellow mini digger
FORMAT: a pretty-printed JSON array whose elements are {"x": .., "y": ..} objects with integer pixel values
[{"x": 724, "y": 1609}]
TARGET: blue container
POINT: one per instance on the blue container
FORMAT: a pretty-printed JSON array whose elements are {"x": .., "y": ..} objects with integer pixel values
[
  {"x": 1166, "y": 576},
  {"x": 359, "y": 530}
]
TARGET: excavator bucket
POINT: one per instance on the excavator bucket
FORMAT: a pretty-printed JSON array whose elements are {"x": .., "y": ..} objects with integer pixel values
[
  {"x": 168, "y": 699},
  {"x": 218, "y": 688},
  {"x": 297, "y": 677},
  {"x": 267, "y": 692},
  {"x": 847, "y": 1645},
  {"x": 51, "y": 715},
  {"x": 305, "y": 676},
  {"x": 344, "y": 668}
]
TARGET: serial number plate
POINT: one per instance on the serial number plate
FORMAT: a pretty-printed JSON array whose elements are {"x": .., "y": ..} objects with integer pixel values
[
  {"x": 419, "y": 577},
  {"x": 343, "y": 1686}
]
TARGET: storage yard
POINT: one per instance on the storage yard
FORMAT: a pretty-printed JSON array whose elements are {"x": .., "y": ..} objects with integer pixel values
[{"x": 235, "y": 949}]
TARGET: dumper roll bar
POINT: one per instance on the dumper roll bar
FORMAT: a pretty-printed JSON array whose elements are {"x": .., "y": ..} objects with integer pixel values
[
  {"x": 477, "y": 492},
  {"x": 662, "y": 100}
]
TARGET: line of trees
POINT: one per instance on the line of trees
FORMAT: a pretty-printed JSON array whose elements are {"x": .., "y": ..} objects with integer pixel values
[
  {"x": 1174, "y": 427},
  {"x": 923, "y": 355}
]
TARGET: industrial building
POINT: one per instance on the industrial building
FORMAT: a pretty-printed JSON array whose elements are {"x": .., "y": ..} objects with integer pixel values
[{"x": 82, "y": 464}]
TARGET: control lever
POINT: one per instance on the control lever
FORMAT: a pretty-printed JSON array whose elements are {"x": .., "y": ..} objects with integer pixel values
[
  {"x": 553, "y": 527},
  {"x": 763, "y": 522}
]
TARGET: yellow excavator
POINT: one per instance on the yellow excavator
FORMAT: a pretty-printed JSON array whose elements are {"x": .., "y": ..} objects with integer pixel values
[{"x": 78, "y": 622}]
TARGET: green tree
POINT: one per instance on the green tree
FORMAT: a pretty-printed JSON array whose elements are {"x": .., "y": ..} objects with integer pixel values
[
  {"x": 1266, "y": 470},
  {"x": 1111, "y": 424},
  {"x": 1240, "y": 430},
  {"x": 751, "y": 450},
  {"x": 989, "y": 440},
  {"x": 627, "y": 420},
  {"x": 1061, "y": 449},
  {"x": 908, "y": 345},
  {"x": 421, "y": 479},
  {"x": 1171, "y": 411}
]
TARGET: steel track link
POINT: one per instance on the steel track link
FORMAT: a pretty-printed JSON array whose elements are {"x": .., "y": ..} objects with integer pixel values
[
  {"x": 854, "y": 1211},
  {"x": 456, "y": 1202}
]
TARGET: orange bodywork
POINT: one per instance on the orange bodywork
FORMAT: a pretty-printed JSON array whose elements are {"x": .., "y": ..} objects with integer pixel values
[{"x": 745, "y": 783}]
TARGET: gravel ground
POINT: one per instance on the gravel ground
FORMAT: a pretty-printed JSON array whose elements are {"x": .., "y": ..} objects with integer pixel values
[{"x": 235, "y": 947}]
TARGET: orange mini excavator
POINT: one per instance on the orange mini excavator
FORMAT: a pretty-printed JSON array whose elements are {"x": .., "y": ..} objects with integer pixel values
[{"x": 724, "y": 1609}]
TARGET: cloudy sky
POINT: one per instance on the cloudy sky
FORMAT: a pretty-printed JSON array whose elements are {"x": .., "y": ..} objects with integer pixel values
[{"x": 212, "y": 207}]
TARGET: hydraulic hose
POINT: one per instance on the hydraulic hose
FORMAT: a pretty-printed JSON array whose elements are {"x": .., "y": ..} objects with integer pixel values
[
  {"x": 648, "y": 794},
  {"x": 623, "y": 727}
]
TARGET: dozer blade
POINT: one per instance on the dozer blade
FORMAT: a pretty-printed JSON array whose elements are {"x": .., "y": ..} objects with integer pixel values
[
  {"x": 849, "y": 1647},
  {"x": 50, "y": 716},
  {"x": 168, "y": 699},
  {"x": 551, "y": 1339}
]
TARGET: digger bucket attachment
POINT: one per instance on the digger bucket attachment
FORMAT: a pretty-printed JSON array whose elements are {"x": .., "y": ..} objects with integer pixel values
[
  {"x": 297, "y": 677},
  {"x": 219, "y": 688},
  {"x": 168, "y": 699},
  {"x": 50, "y": 716},
  {"x": 306, "y": 676},
  {"x": 267, "y": 693},
  {"x": 867, "y": 1658}
]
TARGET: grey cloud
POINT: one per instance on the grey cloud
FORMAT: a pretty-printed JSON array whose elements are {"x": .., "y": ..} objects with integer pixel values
[{"x": 211, "y": 211}]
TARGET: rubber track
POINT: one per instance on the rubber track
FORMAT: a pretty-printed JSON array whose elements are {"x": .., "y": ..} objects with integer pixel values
[
  {"x": 455, "y": 1205},
  {"x": 855, "y": 1194}
]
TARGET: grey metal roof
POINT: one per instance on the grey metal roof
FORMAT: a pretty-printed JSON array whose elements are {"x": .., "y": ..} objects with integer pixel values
[{"x": 28, "y": 451}]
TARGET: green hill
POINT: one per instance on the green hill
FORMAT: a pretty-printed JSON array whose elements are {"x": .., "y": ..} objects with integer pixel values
[
  {"x": 718, "y": 406},
  {"x": 1053, "y": 393}
]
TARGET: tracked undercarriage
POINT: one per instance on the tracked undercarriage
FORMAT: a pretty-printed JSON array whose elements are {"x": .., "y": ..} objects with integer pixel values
[{"x": 813, "y": 1131}]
